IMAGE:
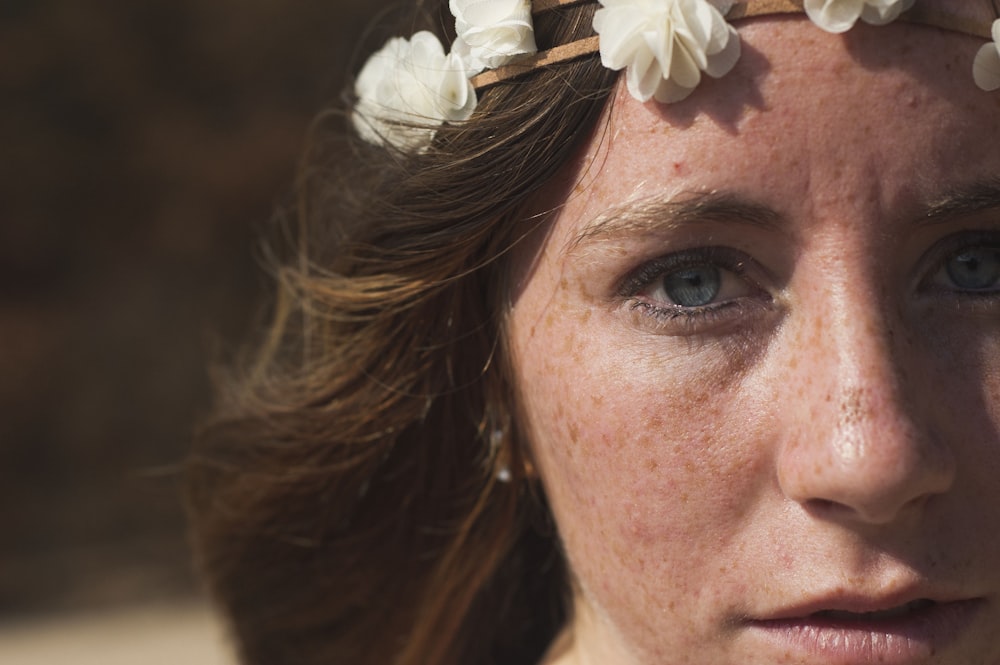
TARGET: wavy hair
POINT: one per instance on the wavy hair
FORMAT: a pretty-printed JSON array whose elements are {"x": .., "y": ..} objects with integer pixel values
[{"x": 343, "y": 497}]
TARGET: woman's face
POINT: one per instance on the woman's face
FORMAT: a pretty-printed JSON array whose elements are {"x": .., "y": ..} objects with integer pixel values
[{"x": 758, "y": 360}]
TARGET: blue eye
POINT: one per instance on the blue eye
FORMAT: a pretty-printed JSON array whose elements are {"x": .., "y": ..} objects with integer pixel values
[
  {"x": 704, "y": 290},
  {"x": 694, "y": 286},
  {"x": 975, "y": 268}
]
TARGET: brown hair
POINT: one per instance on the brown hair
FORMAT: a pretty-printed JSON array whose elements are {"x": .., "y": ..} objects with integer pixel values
[{"x": 343, "y": 497}]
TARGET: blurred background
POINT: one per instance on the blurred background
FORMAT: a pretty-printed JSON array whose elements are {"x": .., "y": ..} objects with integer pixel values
[{"x": 143, "y": 145}]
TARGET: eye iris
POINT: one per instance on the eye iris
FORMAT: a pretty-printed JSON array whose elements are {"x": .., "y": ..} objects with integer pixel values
[
  {"x": 693, "y": 287},
  {"x": 974, "y": 269}
]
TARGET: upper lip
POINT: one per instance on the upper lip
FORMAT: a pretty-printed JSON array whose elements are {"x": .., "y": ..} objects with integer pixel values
[{"x": 859, "y": 602}]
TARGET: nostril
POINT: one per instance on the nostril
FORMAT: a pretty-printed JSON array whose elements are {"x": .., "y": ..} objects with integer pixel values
[{"x": 824, "y": 507}]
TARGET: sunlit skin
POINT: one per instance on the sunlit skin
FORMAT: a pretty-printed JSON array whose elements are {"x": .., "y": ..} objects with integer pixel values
[{"x": 824, "y": 431}]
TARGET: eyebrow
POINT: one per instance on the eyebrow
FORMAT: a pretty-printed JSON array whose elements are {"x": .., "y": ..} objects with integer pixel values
[
  {"x": 656, "y": 215},
  {"x": 964, "y": 201}
]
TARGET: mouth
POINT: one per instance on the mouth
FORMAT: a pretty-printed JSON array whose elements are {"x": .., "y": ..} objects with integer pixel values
[
  {"x": 905, "y": 611},
  {"x": 853, "y": 631}
]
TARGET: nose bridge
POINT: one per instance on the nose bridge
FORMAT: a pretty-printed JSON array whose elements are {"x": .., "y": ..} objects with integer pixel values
[
  {"x": 860, "y": 445},
  {"x": 865, "y": 371},
  {"x": 861, "y": 377}
]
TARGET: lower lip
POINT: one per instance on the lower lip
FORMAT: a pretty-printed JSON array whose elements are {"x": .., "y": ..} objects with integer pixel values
[{"x": 903, "y": 640}]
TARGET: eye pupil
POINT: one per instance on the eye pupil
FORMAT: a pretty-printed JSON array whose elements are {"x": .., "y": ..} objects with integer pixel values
[
  {"x": 974, "y": 269},
  {"x": 694, "y": 286}
]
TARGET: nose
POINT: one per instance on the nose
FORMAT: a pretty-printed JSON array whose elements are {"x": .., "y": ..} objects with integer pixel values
[{"x": 859, "y": 447}]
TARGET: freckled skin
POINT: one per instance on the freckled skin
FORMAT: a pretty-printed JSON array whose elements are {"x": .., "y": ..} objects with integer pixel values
[{"x": 844, "y": 436}]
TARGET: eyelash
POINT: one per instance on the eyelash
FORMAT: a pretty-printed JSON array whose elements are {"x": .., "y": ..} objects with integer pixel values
[
  {"x": 699, "y": 317},
  {"x": 950, "y": 248}
]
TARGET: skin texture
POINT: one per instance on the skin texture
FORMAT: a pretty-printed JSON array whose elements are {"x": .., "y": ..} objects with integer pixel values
[{"x": 827, "y": 430}]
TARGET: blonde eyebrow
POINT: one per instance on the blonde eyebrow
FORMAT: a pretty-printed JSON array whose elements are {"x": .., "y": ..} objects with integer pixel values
[{"x": 655, "y": 215}]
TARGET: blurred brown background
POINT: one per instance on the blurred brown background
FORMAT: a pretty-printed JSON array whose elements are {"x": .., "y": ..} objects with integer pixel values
[{"x": 142, "y": 146}]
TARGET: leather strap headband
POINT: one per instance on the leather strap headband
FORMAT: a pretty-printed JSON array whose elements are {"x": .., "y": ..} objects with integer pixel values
[{"x": 746, "y": 9}]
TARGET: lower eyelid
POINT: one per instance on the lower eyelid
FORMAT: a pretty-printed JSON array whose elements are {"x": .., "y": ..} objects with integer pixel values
[{"x": 715, "y": 319}]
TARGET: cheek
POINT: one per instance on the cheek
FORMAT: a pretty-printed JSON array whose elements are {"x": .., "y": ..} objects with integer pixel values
[{"x": 650, "y": 459}]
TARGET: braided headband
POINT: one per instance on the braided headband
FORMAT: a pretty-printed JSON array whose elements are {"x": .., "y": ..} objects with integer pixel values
[{"x": 410, "y": 87}]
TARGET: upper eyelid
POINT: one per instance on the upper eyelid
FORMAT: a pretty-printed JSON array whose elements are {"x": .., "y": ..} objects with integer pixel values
[
  {"x": 947, "y": 247},
  {"x": 954, "y": 242},
  {"x": 726, "y": 258}
]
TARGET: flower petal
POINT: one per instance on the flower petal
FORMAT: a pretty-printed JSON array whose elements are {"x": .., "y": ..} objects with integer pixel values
[
  {"x": 722, "y": 5},
  {"x": 685, "y": 70},
  {"x": 669, "y": 92},
  {"x": 643, "y": 77},
  {"x": 490, "y": 33},
  {"x": 834, "y": 16},
  {"x": 719, "y": 64},
  {"x": 407, "y": 89},
  {"x": 986, "y": 67},
  {"x": 670, "y": 41},
  {"x": 881, "y": 12}
]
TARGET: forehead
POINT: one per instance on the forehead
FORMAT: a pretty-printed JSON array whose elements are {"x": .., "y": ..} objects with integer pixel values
[{"x": 804, "y": 118}]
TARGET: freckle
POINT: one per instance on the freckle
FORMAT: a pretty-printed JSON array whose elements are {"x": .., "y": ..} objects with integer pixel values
[
  {"x": 652, "y": 464},
  {"x": 851, "y": 408},
  {"x": 584, "y": 316}
]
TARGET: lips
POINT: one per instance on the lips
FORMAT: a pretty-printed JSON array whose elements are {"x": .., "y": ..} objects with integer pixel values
[{"x": 855, "y": 630}]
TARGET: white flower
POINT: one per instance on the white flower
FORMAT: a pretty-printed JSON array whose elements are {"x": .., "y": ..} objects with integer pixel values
[
  {"x": 491, "y": 32},
  {"x": 666, "y": 44},
  {"x": 841, "y": 15},
  {"x": 986, "y": 66},
  {"x": 407, "y": 89}
]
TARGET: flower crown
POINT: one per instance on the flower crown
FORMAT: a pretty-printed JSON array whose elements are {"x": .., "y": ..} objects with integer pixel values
[{"x": 407, "y": 89}]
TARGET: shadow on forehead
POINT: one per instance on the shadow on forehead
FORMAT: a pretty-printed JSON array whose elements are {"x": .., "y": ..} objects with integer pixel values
[
  {"x": 724, "y": 100},
  {"x": 939, "y": 58}
]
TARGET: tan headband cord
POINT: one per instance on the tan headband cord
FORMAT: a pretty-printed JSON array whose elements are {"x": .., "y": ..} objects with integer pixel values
[{"x": 750, "y": 9}]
